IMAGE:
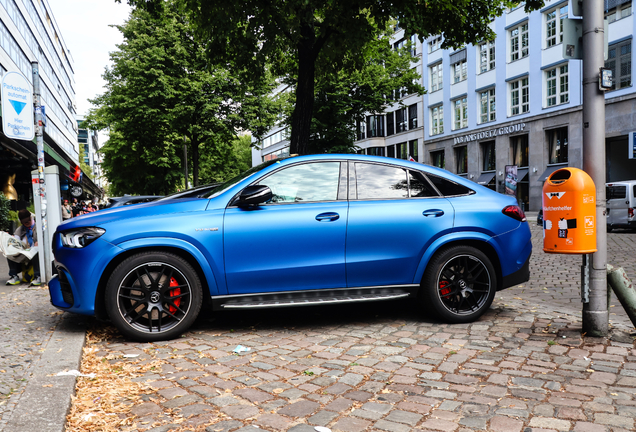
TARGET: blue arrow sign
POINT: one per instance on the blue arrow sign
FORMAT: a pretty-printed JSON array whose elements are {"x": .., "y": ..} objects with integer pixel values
[{"x": 17, "y": 105}]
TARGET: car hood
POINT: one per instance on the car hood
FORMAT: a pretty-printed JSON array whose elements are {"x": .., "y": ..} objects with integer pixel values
[{"x": 102, "y": 217}]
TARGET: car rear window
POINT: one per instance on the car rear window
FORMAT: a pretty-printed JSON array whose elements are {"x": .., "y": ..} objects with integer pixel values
[
  {"x": 616, "y": 192},
  {"x": 449, "y": 188}
]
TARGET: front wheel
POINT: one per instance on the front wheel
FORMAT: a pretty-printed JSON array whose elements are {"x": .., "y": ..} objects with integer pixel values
[
  {"x": 153, "y": 296},
  {"x": 459, "y": 284}
]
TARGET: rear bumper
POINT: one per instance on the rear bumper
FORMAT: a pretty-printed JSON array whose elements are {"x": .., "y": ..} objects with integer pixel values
[{"x": 520, "y": 276}]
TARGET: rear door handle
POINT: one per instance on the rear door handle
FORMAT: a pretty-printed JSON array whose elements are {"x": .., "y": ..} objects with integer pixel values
[
  {"x": 328, "y": 217},
  {"x": 433, "y": 212}
]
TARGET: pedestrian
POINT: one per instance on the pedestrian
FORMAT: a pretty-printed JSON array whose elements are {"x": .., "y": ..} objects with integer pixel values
[
  {"x": 67, "y": 210},
  {"x": 76, "y": 207},
  {"x": 27, "y": 234}
]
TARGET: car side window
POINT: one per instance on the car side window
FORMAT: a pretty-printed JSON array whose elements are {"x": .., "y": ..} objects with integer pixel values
[
  {"x": 317, "y": 181},
  {"x": 420, "y": 186},
  {"x": 375, "y": 181},
  {"x": 449, "y": 188}
]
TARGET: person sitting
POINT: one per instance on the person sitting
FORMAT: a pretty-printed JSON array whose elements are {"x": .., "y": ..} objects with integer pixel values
[{"x": 27, "y": 234}]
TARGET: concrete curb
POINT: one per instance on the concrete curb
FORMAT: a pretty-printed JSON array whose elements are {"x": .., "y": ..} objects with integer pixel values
[{"x": 46, "y": 400}]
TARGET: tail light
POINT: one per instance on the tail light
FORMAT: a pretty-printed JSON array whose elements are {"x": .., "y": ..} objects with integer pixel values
[
  {"x": 514, "y": 212},
  {"x": 630, "y": 212}
]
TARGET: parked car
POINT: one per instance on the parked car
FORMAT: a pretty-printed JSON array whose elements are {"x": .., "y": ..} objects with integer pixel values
[
  {"x": 621, "y": 201},
  {"x": 130, "y": 200},
  {"x": 308, "y": 230}
]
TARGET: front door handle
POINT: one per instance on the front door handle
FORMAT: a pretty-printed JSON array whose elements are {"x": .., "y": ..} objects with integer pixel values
[
  {"x": 327, "y": 217},
  {"x": 433, "y": 212}
]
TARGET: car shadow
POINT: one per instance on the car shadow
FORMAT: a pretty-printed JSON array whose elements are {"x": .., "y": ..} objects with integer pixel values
[{"x": 313, "y": 317}]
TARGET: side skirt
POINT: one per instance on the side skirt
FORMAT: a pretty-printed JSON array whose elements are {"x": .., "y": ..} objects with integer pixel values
[{"x": 313, "y": 297}]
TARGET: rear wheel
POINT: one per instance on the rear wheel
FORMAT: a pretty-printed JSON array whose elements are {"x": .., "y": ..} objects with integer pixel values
[
  {"x": 153, "y": 296},
  {"x": 459, "y": 284}
]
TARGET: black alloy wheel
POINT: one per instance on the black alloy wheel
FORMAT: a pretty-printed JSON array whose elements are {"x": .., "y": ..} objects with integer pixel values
[
  {"x": 459, "y": 284},
  {"x": 153, "y": 296}
]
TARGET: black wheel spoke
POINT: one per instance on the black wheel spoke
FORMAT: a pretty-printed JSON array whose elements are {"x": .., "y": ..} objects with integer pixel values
[{"x": 132, "y": 297}]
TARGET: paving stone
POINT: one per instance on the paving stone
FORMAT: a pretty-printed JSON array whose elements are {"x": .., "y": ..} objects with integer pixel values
[
  {"x": 241, "y": 412},
  {"x": 302, "y": 408},
  {"x": 391, "y": 426},
  {"x": 253, "y": 395},
  {"x": 350, "y": 424},
  {"x": 182, "y": 401},
  {"x": 224, "y": 426},
  {"x": 406, "y": 417},
  {"x": 195, "y": 410}
]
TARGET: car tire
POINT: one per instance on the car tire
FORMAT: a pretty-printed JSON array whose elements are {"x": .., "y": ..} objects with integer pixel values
[
  {"x": 609, "y": 228},
  {"x": 153, "y": 296},
  {"x": 459, "y": 284}
]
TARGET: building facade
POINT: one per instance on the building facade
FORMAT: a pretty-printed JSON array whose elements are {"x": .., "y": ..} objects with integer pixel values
[
  {"x": 511, "y": 102},
  {"x": 29, "y": 33}
]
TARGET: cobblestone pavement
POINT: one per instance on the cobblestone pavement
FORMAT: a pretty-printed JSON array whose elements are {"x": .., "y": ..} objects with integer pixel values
[{"x": 524, "y": 366}]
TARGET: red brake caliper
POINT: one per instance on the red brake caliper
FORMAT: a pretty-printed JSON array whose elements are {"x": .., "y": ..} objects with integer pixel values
[
  {"x": 443, "y": 288},
  {"x": 174, "y": 292}
]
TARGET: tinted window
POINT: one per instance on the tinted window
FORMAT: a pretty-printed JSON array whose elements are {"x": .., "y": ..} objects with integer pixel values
[
  {"x": 616, "y": 192},
  {"x": 306, "y": 182},
  {"x": 447, "y": 187},
  {"x": 420, "y": 187},
  {"x": 380, "y": 181}
]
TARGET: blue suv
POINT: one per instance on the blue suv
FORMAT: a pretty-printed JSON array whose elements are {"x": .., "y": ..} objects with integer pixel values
[{"x": 300, "y": 231}]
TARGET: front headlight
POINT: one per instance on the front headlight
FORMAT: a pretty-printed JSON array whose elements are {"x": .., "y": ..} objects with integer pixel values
[{"x": 81, "y": 237}]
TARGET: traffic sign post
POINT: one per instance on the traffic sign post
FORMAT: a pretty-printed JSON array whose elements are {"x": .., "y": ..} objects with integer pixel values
[{"x": 39, "y": 136}]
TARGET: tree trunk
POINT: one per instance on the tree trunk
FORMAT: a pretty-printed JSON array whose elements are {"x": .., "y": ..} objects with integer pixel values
[
  {"x": 303, "y": 111},
  {"x": 195, "y": 160}
]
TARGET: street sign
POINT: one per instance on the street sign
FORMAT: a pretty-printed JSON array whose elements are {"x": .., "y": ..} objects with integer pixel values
[{"x": 17, "y": 107}]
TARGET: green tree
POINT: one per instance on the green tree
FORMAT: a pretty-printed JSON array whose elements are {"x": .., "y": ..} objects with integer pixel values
[
  {"x": 162, "y": 90},
  {"x": 239, "y": 159},
  {"x": 303, "y": 39},
  {"x": 344, "y": 97}
]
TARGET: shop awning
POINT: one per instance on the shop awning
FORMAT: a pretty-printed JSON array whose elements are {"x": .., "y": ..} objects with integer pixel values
[
  {"x": 485, "y": 178},
  {"x": 548, "y": 171},
  {"x": 522, "y": 174}
]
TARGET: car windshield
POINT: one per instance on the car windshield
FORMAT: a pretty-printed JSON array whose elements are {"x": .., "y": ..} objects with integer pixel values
[
  {"x": 228, "y": 184},
  {"x": 195, "y": 192}
]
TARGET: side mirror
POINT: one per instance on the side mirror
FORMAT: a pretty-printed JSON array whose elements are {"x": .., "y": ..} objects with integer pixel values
[{"x": 254, "y": 195}]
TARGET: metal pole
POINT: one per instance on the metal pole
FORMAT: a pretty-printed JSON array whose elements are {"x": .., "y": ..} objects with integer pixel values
[
  {"x": 595, "y": 313},
  {"x": 43, "y": 243},
  {"x": 185, "y": 161}
]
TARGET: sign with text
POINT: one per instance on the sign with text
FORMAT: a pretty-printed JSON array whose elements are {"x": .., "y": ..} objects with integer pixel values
[
  {"x": 511, "y": 180},
  {"x": 17, "y": 107},
  {"x": 631, "y": 152}
]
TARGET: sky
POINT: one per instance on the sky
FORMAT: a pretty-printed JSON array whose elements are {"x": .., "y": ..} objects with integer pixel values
[{"x": 84, "y": 25}]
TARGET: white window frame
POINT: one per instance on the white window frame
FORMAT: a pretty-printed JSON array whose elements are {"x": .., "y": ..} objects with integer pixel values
[
  {"x": 434, "y": 44},
  {"x": 460, "y": 71},
  {"x": 487, "y": 106},
  {"x": 437, "y": 77},
  {"x": 520, "y": 96},
  {"x": 519, "y": 42},
  {"x": 437, "y": 120},
  {"x": 554, "y": 25},
  {"x": 619, "y": 12},
  {"x": 486, "y": 56},
  {"x": 557, "y": 86},
  {"x": 460, "y": 113}
]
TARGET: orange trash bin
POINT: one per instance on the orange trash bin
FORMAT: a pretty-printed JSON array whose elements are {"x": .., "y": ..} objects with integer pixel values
[{"x": 569, "y": 212}]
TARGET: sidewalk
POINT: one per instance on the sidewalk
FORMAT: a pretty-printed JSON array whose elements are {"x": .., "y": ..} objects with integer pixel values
[
  {"x": 37, "y": 341},
  {"x": 523, "y": 367}
]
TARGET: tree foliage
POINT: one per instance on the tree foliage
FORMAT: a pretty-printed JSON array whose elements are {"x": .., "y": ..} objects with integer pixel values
[
  {"x": 162, "y": 91},
  {"x": 303, "y": 39}
]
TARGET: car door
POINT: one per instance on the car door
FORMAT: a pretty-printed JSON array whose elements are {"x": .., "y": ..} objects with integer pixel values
[
  {"x": 617, "y": 203},
  {"x": 394, "y": 215},
  {"x": 296, "y": 240}
]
